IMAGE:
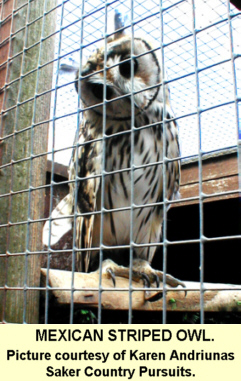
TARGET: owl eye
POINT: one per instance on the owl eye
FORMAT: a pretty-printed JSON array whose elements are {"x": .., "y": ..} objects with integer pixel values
[
  {"x": 125, "y": 67},
  {"x": 97, "y": 90}
]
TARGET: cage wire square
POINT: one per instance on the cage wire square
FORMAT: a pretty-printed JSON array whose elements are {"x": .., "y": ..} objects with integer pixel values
[{"x": 202, "y": 64}]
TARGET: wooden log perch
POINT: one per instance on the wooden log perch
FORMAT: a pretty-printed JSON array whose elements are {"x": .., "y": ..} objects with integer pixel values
[{"x": 86, "y": 286}]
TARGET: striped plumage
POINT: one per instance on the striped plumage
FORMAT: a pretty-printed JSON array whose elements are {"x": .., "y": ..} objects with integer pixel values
[{"x": 87, "y": 159}]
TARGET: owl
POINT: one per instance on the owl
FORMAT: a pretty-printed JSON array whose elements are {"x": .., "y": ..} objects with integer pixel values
[{"x": 117, "y": 162}]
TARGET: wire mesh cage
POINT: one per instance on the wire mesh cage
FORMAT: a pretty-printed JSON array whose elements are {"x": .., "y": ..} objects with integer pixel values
[{"x": 44, "y": 47}]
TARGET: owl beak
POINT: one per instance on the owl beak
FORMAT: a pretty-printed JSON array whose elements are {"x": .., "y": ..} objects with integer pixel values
[{"x": 88, "y": 69}]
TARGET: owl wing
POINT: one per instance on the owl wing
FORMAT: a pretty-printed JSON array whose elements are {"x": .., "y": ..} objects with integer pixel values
[
  {"x": 89, "y": 167},
  {"x": 61, "y": 222},
  {"x": 84, "y": 177}
]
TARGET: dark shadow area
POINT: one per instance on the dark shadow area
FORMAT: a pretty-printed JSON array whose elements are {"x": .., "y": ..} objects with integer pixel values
[{"x": 222, "y": 258}]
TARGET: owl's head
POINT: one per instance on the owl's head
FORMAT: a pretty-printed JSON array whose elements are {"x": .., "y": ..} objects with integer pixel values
[{"x": 114, "y": 68}]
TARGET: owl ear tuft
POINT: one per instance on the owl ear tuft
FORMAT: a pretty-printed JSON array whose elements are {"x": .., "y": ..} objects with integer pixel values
[{"x": 119, "y": 23}]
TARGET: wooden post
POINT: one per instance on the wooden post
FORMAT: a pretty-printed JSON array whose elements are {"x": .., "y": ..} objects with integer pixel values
[{"x": 19, "y": 267}]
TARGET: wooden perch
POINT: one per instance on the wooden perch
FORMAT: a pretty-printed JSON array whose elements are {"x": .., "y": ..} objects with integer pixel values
[{"x": 215, "y": 298}]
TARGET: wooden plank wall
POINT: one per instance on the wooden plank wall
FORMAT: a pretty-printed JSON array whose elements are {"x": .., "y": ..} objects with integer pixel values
[{"x": 219, "y": 175}]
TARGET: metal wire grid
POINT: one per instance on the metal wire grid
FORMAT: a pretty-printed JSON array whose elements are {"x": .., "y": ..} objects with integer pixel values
[
  {"x": 197, "y": 113},
  {"x": 214, "y": 65}
]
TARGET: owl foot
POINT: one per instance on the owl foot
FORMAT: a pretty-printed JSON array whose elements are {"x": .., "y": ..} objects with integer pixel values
[{"x": 141, "y": 270}]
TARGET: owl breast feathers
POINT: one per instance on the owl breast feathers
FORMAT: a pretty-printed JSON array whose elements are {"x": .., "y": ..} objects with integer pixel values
[{"x": 121, "y": 133}]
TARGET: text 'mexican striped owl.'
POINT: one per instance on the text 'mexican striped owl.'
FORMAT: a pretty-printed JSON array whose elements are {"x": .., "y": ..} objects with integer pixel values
[{"x": 88, "y": 162}]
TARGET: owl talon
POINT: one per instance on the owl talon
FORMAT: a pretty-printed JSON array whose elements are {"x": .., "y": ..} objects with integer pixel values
[
  {"x": 146, "y": 280},
  {"x": 157, "y": 280},
  {"x": 142, "y": 267},
  {"x": 141, "y": 271},
  {"x": 112, "y": 275}
]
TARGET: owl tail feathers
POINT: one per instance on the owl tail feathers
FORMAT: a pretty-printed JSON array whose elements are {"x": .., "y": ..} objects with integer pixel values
[{"x": 61, "y": 222}]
